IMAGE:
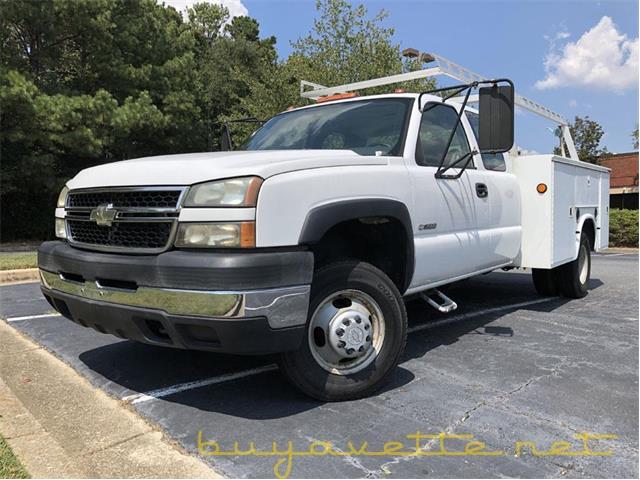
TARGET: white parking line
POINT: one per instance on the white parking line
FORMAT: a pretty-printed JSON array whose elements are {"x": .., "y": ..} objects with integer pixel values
[
  {"x": 227, "y": 377},
  {"x": 32, "y": 317},
  {"x": 181, "y": 387}
]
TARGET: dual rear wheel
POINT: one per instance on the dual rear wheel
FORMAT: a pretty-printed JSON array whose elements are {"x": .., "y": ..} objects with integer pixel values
[{"x": 569, "y": 280}]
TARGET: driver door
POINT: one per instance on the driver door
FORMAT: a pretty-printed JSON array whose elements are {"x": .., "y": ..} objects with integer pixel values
[{"x": 447, "y": 212}]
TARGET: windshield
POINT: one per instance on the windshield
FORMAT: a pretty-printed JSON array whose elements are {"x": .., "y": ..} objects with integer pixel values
[{"x": 364, "y": 126}]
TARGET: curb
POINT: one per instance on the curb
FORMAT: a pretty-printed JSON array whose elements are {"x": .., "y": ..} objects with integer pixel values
[
  {"x": 22, "y": 275},
  {"x": 59, "y": 425},
  {"x": 620, "y": 250}
]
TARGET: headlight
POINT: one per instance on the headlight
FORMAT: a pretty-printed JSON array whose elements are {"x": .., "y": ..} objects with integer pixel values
[
  {"x": 62, "y": 198},
  {"x": 214, "y": 235},
  {"x": 233, "y": 192},
  {"x": 61, "y": 231}
]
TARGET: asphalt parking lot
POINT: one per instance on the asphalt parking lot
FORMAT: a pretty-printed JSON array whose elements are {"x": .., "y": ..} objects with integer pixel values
[{"x": 507, "y": 366}]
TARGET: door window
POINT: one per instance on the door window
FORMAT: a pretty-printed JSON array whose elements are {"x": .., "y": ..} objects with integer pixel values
[
  {"x": 438, "y": 121},
  {"x": 491, "y": 161}
]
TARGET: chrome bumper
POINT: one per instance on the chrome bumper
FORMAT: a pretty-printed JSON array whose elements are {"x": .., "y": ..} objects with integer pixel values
[{"x": 282, "y": 307}]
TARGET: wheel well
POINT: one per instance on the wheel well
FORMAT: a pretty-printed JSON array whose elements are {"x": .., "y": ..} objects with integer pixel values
[
  {"x": 589, "y": 229},
  {"x": 381, "y": 241}
]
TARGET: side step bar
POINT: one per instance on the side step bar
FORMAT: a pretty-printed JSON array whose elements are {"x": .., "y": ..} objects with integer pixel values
[{"x": 442, "y": 303}]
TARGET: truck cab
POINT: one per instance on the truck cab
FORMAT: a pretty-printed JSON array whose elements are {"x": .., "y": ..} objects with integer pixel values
[{"x": 306, "y": 240}]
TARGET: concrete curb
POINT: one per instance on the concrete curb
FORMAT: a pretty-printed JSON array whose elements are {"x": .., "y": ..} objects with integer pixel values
[
  {"x": 620, "y": 250},
  {"x": 60, "y": 426},
  {"x": 22, "y": 275}
]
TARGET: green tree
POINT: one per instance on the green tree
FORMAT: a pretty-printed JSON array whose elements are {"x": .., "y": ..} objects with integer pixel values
[
  {"x": 231, "y": 57},
  {"x": 345, "y": 45},
  {"x": 586, "y": 135},
  {"x": 634, "y": 135},
  {"x": 90, "y": 81}
]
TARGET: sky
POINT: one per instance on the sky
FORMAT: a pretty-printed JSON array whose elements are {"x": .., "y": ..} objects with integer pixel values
[{"x": 574, "y": 57}]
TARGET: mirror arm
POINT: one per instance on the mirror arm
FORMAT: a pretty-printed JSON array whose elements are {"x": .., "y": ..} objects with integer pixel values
[
  {"x": 469, "y": 156},
  {"x": 458, "y": 121}
]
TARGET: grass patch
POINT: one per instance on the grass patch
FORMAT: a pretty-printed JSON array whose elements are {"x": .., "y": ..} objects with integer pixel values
[
  {"x": 16, "y": 260},
  {"x": 10, "y": 466}
]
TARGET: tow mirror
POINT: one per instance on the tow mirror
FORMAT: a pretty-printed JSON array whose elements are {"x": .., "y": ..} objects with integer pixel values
[
  {"x": 225, "y": 140},
  {"x": 496, "y": 118}
]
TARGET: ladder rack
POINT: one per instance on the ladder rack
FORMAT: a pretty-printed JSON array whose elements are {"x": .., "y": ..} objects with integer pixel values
[{"x": 454, "y": 71}]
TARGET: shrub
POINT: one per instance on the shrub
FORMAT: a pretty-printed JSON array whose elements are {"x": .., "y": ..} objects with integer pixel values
[{"x": 623, "y": 228}]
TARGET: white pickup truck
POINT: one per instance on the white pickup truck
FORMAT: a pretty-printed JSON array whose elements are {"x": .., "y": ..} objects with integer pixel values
[{"x": 305, "y": 241}]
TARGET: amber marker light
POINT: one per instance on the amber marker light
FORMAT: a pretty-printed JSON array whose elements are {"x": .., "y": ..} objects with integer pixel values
[
  {"x": 247, "y": 234},
  {"x": 337, "y": 96},
  {"x": 541, "y": 188}
]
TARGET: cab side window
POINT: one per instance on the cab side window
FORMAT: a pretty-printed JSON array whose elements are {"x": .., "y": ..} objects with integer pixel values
[
  {"x": 438, "y": 120},
  {"x": 491, "y": 161}
]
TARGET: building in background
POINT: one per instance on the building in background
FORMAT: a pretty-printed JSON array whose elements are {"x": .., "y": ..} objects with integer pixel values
[{"x": 623, "y": 190}]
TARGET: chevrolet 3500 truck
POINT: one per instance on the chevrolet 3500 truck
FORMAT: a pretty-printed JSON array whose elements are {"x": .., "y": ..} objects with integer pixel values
[{"x": 306, "y": 240}]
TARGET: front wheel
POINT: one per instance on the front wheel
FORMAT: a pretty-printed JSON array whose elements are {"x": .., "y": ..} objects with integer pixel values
[{"x": 356, "y": 333}]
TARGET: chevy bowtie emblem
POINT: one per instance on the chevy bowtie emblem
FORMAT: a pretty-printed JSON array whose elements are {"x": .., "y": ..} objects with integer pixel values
[{"x": 104, "y": 214}]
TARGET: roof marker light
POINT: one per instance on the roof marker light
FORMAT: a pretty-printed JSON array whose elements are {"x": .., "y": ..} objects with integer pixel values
[{"x": 337, "y": 96}]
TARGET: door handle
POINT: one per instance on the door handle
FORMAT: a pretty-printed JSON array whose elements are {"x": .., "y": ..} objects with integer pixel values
[{"x": 481, "y": 190}]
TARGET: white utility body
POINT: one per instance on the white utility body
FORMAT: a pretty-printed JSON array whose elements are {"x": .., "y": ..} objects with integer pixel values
[
  {"x": 579, "y": 192},
  {"x": 306, "y": 240}
]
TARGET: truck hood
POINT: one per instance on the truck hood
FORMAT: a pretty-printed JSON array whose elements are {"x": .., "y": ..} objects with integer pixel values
[{"x": 187, "y": 169}]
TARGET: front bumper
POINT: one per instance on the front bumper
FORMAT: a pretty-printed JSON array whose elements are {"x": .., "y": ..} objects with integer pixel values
[{"x": 229, "y": 302}]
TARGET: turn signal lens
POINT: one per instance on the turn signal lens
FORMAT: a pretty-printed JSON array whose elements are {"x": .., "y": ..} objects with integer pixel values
[{"x": 541, "y": 188}]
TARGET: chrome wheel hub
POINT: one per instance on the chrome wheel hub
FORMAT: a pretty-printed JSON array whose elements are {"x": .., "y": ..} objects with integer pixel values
[
  {"x": 350, "y": 333},
  {"x": 346, "y": 332}
]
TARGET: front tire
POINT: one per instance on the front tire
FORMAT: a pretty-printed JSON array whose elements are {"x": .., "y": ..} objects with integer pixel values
[{"x": 356, "y": 333}]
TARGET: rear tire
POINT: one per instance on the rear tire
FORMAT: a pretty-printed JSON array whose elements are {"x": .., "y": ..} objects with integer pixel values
[
  {"x": 573, "y": 277},
  {"x": 545, "y": 281},
  {"x": 355, "y": 335}
]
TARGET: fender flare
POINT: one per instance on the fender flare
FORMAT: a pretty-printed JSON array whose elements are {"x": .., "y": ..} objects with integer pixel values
[
  {"x": 580, "y": 227},
  {"x": 322, "y": 218}
]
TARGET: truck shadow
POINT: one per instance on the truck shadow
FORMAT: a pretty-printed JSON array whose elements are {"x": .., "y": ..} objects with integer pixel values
[{"x": 143, "y": 368}]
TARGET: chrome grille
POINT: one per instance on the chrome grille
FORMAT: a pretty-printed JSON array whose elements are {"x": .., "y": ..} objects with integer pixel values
[{"x": 142, "y": 220}]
